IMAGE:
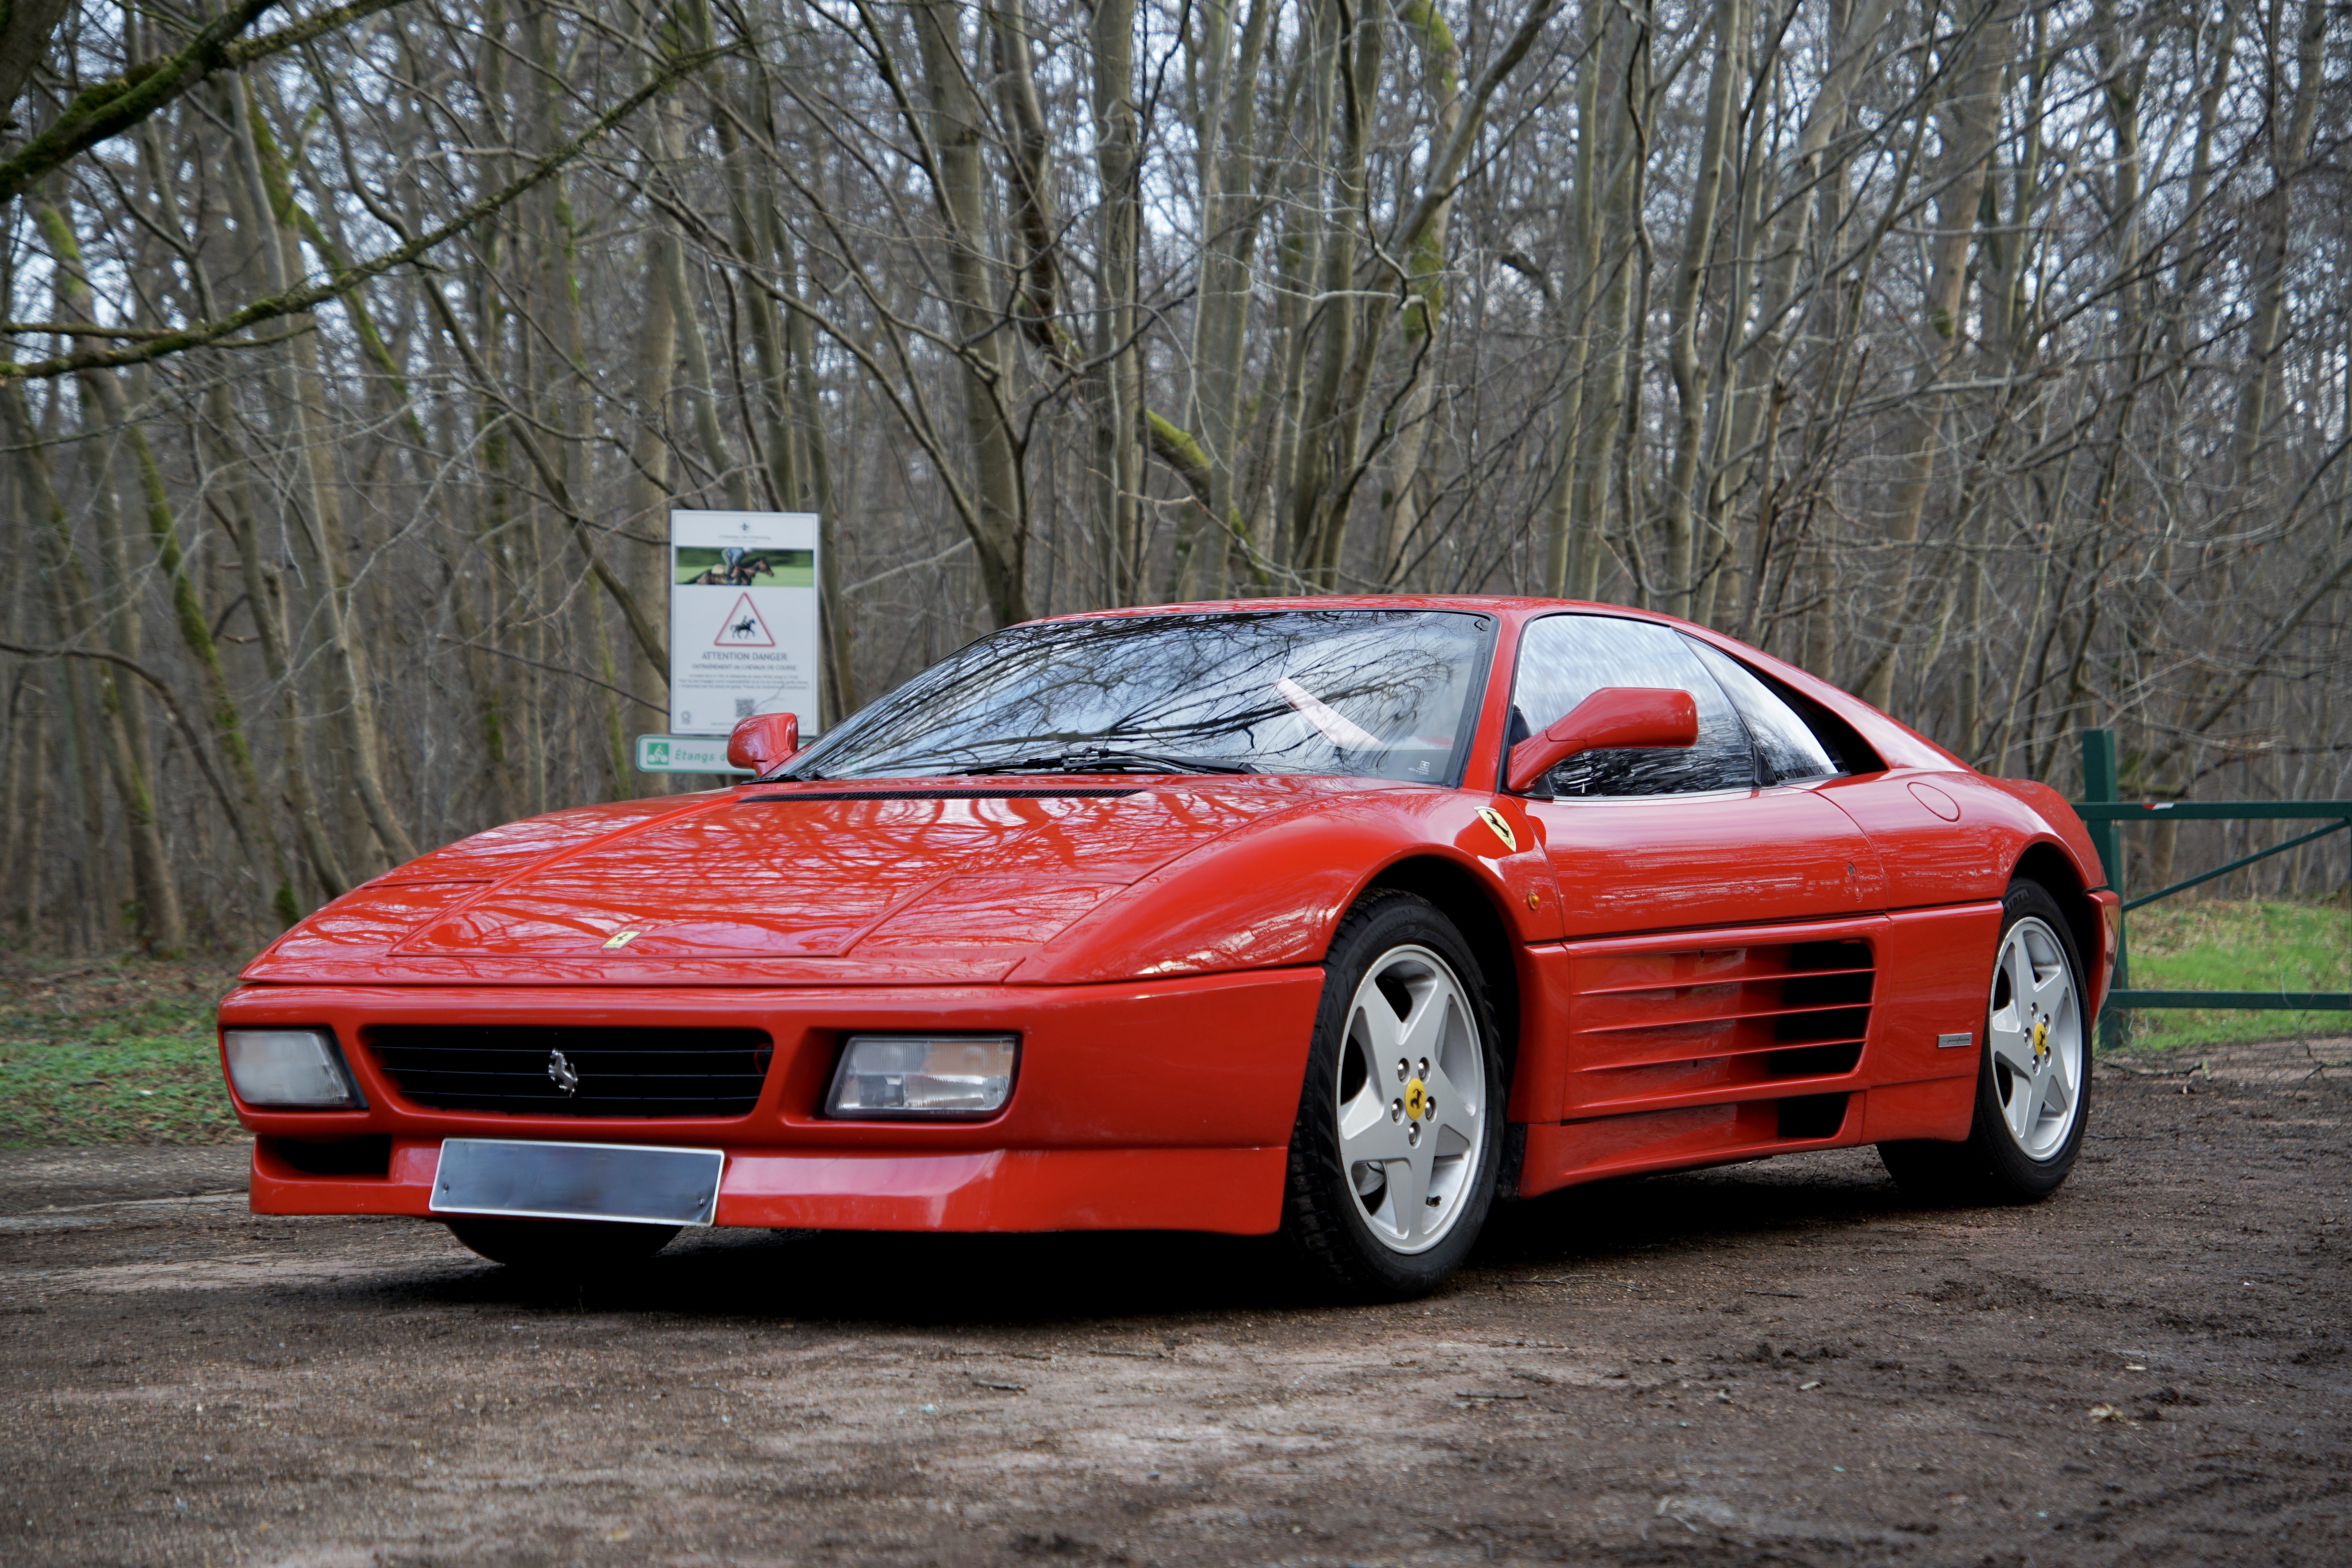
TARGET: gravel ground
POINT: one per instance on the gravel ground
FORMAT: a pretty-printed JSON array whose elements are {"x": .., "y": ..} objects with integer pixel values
[{"x": 1780, "y": 1363}]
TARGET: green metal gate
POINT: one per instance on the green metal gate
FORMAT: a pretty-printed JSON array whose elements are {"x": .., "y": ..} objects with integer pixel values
[{"x": 2101, "y": 811}]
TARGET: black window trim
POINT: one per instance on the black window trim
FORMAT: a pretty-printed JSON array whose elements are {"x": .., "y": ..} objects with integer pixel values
[
  {"x": 1766, "y": 776},
  {"x": 1853, "y": 755},
  {"x": 1511, "y": 705}
]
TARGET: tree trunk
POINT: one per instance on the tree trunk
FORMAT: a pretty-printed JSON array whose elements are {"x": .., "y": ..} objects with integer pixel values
[
  {"x": 2268, "y": 232},
  {"x": 1424, "y": 286},
  {"x": 986, "y": 357},
  {"x": 355, "y": 728},
  {"x": 1691, "y": 378},
  {"x": 1972, "y": 117},
  {"x": 1117, "y": 388},
  {"x": 250, "y": 818},
  {"x": 158, "y": 918}
]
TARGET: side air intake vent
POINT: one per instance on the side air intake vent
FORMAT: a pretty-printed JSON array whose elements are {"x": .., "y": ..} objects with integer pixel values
[
  {"x": 1706, "y": 1026},
  {"x": 1812, "y": 1115}
]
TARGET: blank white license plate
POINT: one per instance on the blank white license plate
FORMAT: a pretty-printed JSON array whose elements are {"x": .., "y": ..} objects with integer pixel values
[{"x": 634, "y": 1182}]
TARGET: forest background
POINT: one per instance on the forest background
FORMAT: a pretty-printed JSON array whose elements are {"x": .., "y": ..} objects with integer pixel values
[{"x": 1990, "y": 358}]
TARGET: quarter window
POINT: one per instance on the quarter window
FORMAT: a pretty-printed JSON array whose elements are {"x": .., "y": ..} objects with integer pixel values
[
  {"x": 1787, "y": 749},
  {"x": 1563, "y": 659}
]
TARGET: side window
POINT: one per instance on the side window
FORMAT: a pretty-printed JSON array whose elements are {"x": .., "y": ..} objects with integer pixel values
[
  {"x": 1787, "y": 749},
  {"x": 1563, "y": 659}
]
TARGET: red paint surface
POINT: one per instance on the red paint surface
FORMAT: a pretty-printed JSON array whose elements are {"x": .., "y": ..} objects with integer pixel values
[
  {"x": 1159, "y": 954},
  {"x": 1938, "y": 973},
  {"x": 1659, "y": 863},
  {"x": 1929, "y": 859}
]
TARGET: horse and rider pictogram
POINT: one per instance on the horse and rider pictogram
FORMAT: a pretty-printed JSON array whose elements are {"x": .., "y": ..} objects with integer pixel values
[{"x": 743, "y": 627}]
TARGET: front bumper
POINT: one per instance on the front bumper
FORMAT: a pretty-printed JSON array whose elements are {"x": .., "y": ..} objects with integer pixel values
[{"x": 1141, "y": 1105}]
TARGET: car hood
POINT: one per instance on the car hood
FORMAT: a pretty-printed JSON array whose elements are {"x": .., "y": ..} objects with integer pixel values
[{"x": 791, "y": 885}]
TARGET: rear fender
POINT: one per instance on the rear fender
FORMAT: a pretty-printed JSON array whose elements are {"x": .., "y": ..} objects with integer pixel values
[{"x": 2055, "y": 850}]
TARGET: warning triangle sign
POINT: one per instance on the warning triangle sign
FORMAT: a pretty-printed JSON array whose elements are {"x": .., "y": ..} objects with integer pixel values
[{"x": 743, "y": 627}]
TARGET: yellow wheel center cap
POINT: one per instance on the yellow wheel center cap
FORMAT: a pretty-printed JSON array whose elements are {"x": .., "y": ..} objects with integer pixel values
[
  {"x": 1416, "y": 1099},
  {"x": 2040, "y": 1040}
]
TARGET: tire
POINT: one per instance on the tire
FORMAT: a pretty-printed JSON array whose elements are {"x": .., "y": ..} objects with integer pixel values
[
  {"x": 2028, "y": 1128},
  {"x": 1392, "y": 1167},
  {"x": 566, "y": 1249}
]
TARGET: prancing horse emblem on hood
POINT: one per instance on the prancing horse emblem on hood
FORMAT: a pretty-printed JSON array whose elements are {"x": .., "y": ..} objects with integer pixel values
[{"x": 566, "y": 1077}]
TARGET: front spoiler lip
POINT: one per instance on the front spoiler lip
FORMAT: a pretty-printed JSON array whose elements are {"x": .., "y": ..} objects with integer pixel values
[{"x": 1228, "y": 1190}]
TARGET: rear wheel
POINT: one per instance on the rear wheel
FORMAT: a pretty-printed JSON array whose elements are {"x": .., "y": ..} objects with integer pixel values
[
  {"x": 1395, "y": 1157},
  {"x": 572, "y": 1248},
  {"x": 2033, "y": 1071}
]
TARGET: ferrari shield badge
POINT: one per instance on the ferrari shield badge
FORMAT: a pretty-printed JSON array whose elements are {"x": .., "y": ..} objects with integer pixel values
[
  {"x": 620, "y": 939},
  {"x": 1494, "y": 818}
]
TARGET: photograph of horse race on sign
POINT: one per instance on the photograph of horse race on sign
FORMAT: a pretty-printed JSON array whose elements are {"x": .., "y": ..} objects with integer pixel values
[{"x": 734, "y": 566}]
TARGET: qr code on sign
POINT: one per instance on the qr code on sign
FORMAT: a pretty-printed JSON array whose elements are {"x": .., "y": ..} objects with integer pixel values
[{"x": 742, "y": 707}]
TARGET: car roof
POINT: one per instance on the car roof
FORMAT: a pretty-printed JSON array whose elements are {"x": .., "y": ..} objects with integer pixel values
[
  {"x": 1896, "y": 743},
  {"x": 1487, "y": 604}
]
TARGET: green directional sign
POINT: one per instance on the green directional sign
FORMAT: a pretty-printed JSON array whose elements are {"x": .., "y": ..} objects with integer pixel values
[{"x": 684, "y": 754}]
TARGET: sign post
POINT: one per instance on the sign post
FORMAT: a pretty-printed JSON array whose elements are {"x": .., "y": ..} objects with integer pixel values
[{"x": 743, "y": 636}]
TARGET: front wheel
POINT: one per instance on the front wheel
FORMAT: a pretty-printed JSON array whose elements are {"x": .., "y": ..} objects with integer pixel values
[
  {"x": 2034, "y": 1074},
  {"x": 1395, "y": 1153},
  {"x": 564, "y": 1249}
]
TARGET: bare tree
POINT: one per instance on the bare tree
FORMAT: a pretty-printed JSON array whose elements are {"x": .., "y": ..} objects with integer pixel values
[{"x": 1990, "y": 356}]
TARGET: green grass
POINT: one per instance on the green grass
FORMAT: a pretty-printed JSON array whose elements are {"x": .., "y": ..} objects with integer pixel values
[
  {"x": 2231, "y": 944},
  {"x": 111, "y": 1053}
]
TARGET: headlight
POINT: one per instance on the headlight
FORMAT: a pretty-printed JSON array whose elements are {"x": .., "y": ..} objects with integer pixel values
[
  {"x": 905, "y": 1075},
  {"x": 290, "y": 1070}
]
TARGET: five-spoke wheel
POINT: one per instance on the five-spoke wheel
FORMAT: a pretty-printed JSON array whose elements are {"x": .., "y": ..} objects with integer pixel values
[
  {"x": 1411, "y": 1097},
  {"x": 1394, "y": 1159},
  {"x": 2035, "y": 1029}
]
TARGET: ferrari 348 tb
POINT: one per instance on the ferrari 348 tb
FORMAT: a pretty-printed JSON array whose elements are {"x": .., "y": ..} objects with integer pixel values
[{"x": 1340, "y": 918}]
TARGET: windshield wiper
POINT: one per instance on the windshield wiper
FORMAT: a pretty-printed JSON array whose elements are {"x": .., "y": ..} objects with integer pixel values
[{"x": 1112, "y": 759}]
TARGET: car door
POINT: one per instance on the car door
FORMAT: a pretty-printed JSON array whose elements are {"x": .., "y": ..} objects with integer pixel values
[{"x": 1722, "y": 919}]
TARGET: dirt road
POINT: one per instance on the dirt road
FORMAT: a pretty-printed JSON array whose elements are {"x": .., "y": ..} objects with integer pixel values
[{"x": 1772, "y": 1364}]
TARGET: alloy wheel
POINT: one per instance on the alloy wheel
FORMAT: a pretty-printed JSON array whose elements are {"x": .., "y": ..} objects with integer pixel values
[
  {"x": 2036, "y": 1028},
  {"x": 1412, "y": 1099}
]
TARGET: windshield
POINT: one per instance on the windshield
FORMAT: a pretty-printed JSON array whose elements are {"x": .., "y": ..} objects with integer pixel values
[{"x": 1378, "y": 694}]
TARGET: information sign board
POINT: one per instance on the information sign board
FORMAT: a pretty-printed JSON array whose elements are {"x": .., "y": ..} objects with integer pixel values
[
  {"x": 684, "y": 754},
  {"x": 742, "y": 619}
]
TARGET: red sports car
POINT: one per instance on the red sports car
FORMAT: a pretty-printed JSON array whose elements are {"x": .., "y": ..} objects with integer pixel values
[{"x": 1339, "y": 917}]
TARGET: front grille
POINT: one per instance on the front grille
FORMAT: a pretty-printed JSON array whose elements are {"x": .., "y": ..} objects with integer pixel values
[{"x": 620, "y": 1071}]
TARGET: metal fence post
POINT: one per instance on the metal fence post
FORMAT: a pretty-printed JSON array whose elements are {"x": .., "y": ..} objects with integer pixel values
[{"x": 2099, "y": 784}]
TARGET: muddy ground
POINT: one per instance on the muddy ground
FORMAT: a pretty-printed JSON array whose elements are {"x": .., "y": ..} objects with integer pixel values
[{"x": 1780, "y": 1363}]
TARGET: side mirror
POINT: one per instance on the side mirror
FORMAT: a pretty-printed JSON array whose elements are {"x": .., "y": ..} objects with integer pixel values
[
  {"x": 764, "y": 740},
  {"x": 1612, "y": 718}
]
